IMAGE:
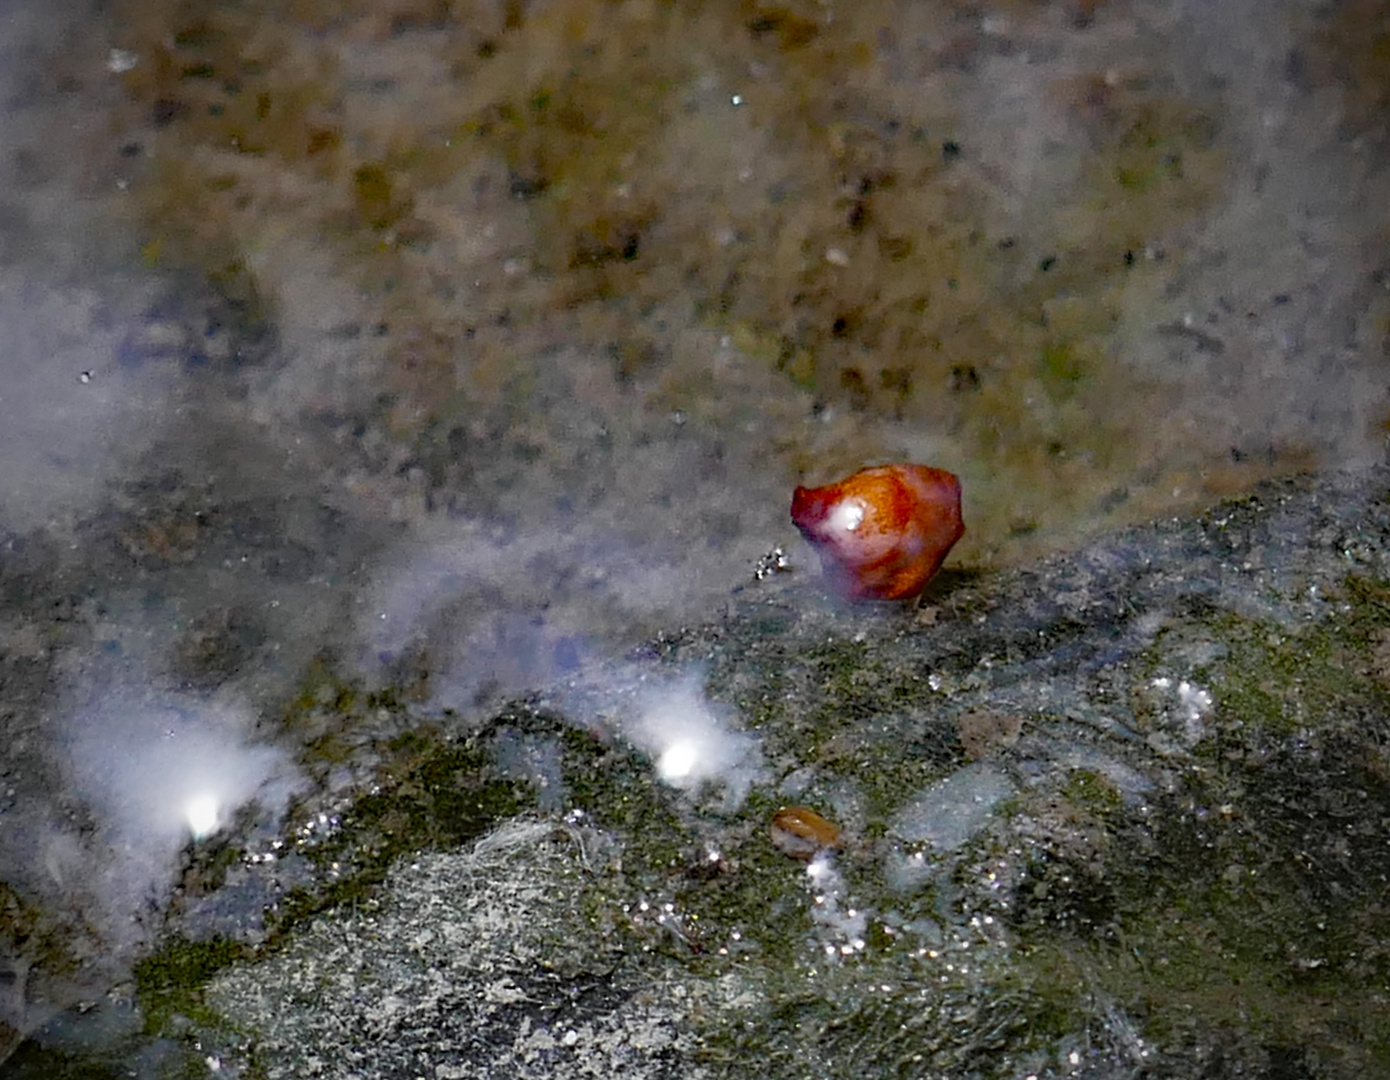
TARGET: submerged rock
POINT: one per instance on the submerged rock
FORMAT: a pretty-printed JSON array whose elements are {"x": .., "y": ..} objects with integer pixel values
[{"x": 1170, "y": 862}]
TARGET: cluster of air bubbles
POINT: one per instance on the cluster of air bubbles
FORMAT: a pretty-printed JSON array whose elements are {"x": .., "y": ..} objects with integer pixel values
[
  {"x": 317, "y": 828},
  {"x": 645, "y": 914},
  {"x": 841, "y": 926},
  {"x": 260, "y": 858},
  {"x": 307, "y": 835},
  {"x": 774, "y": 561},
  {"x": 1192, "y": 704}
]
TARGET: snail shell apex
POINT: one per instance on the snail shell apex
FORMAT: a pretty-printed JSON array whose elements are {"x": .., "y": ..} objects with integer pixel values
[{"x": 882, "y": 533}]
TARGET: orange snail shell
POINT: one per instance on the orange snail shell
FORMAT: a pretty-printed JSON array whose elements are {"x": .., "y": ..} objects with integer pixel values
[{"x": 882, "y": 533}]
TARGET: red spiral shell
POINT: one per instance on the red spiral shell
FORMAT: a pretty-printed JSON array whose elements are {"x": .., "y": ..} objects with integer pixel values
[{"x": 882, "y": 533}]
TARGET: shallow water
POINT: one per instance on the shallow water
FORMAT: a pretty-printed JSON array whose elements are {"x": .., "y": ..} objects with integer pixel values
[{"x": 447, "y": 354}]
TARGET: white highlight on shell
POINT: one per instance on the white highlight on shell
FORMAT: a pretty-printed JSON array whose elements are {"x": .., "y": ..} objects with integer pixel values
[{"x": 847, "y": 515}]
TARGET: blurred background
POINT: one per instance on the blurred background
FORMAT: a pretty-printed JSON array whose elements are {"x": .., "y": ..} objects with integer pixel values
[
  {"x": 451, "y": 346},
  {"x": 513, "y": 325}
]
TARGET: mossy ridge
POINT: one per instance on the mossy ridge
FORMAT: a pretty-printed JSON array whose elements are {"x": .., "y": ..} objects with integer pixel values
[
  {"x": 436, "y": 792},
  {"x": 28, "y": 931},
  {"x": 670, "y": 863},
  {"x": 721, "y": 874},
  {"x": 1237, "y": 948},
  {"x": 169, "y": 981},
  {"x": 906, "y": 1006},
  {"x": 1311, "y": 677},
  {"x": 859, "y": 699},
  {"x": 1264, "y": 912},
  {"x": 1249, "y": 905},
  {"x": 909, "y": 1014},
  {"x": 433, "y": 793}
]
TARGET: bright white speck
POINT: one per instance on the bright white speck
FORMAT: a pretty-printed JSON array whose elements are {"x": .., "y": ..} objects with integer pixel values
[
  {"x": 821, "y": 869},
  {"x": 1194, "y": 703},
  {"x": 691, "y": 744},
  {"x": 1195, "y": 700},
  {"x": 202, "y": 813},
  {"x": 678, "y": 763},
  {"x": 155, "y": 771},
  {"x": 736, "y": 99}
]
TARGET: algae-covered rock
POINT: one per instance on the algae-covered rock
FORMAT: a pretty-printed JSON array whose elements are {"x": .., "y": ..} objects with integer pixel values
[{"x": 1121, "y": 814}]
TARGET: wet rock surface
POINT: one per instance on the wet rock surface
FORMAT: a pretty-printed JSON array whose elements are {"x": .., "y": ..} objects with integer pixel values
[
  {"x": 376, "y": 375},
  {"x": 1120, "y": 814}
]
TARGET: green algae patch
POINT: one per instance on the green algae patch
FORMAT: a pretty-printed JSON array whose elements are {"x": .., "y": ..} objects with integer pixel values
[
  {"x": 436, "y": 794},
  {"x": 170, "y": 980},
  {"x": 1255, "y": 905},
  {"x": 1314, "y": 675},
  {"x": 857, "y": 1020},
  {"x": 1249, "y": 898},
  {"x": 1095, "y": 793},
  {"x": 432, "y": 793},
  {"x": 35, "y": 938}
]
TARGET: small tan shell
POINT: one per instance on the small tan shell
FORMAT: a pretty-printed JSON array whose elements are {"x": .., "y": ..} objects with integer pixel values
[{"x": 801, "y": 832}]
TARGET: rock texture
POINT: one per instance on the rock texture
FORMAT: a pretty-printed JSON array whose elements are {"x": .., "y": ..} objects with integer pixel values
[{"x": 1118, "y": 815}]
